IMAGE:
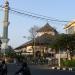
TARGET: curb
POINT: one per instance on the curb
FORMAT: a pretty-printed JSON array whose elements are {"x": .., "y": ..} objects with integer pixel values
[{"x": 62, "y": 69}]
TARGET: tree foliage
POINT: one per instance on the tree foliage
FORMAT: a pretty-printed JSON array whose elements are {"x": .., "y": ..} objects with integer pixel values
[
  {"x": 33, "y": 31},
  {"x": 64, "y": 41},
  {"x": 10, "y": 52}
]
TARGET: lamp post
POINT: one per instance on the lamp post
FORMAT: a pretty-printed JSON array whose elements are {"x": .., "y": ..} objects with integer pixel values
[
  {"x": 5, "y": 28},
  {"x": 59, "y": 58}
]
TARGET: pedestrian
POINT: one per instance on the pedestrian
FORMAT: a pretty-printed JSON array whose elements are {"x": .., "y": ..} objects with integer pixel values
[
  {"x": 24, "y": 70},
  {"x": 3, "y": 68}
]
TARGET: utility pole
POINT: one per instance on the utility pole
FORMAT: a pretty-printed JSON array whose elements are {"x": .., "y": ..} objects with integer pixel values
[
  {"x": 34, "y": 46},
  {"x": 5, "y": 27},
  {"x": 59, "y": 64}
]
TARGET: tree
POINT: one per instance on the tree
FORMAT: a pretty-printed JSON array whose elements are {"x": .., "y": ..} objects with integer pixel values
[
  {"x": 33, "y": 34},
  {"x": 10, "y": 52},
  {"x": 33, "y": 31},
  {"x": 64, "y": 42}
]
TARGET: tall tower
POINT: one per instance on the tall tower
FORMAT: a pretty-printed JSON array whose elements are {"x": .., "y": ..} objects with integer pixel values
[{"x": 5, "y": 27}]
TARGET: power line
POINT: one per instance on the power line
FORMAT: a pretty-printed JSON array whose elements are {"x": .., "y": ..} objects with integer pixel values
[
  {"x": 35, "y": 15},
  {"x": 30, "y": 14}
]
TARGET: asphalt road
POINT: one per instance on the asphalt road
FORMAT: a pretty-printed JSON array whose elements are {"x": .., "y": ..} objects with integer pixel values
[{"x": 39, "y": 70}]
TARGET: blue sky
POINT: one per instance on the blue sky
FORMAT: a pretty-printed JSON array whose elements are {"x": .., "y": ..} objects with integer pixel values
[{"x": 20, "y": 25}]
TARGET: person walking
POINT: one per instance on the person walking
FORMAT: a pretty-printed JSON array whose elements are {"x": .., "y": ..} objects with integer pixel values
[
  {"x": 3, "y": 68},
  {"x": 24, "y": 70}
]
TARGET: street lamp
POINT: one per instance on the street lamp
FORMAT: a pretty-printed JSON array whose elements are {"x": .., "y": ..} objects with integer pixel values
[{"x": 59, "y": 58}]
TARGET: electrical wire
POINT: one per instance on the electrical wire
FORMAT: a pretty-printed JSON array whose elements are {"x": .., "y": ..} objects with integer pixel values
[{"x": 33, "y": 15}]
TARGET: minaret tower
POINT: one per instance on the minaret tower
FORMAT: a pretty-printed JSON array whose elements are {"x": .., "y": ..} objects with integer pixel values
[{"x": 5, "y": 27}]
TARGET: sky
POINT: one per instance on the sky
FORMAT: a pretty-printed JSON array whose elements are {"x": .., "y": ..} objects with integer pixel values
[{"x": 19, "y": 25}]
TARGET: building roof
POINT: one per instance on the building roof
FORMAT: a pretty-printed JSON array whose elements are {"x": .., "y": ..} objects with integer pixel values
[
  {"x": 46, "y": 28},
  {"x": 45, "y": 39},
  {"x": 69, "y": 24}
]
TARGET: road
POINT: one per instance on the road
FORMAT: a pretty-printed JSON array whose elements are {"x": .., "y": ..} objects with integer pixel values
[{"x": 39, "y": 70}]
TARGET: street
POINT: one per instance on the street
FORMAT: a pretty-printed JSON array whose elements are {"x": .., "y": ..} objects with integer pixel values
[{"x": 39, "y": 70}]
